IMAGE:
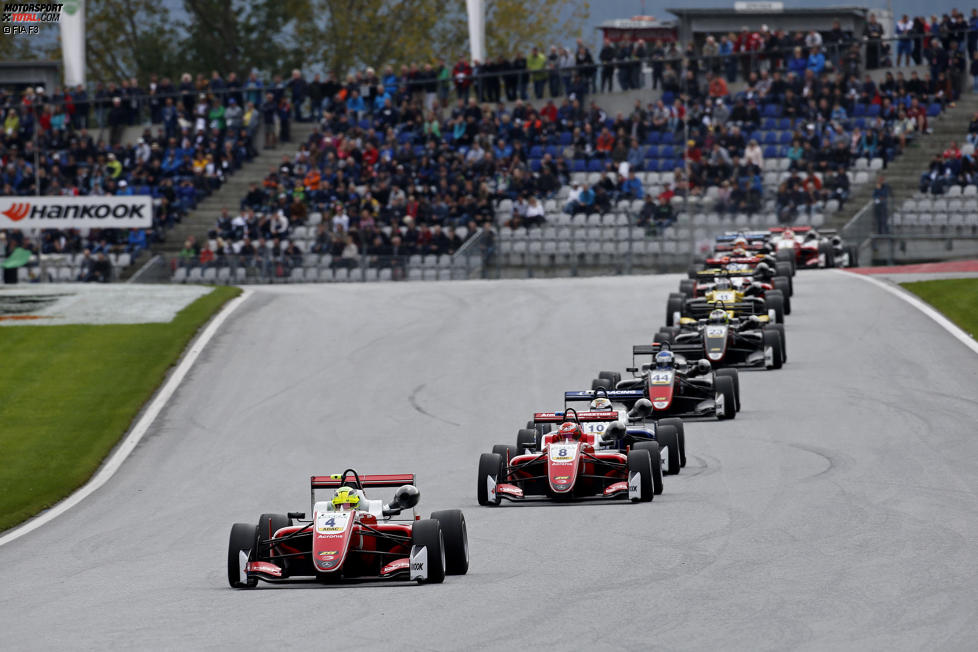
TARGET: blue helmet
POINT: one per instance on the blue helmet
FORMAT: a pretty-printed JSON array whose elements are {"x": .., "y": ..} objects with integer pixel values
[{"x": 664, "y": 360}]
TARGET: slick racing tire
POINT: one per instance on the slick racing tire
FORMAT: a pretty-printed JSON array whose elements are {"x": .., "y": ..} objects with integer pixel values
[
  {"x": 784, "y": 343},
  {"x": 455, "y": 536},
  {"x": 724, "y": 386},
  {"x": 734, "y": 375},
  {"x": 505, "y": 451},
  {"x": 687, "y": 287},
  {"x": 491, "y": 465},
  {"x": 825, "y": 249},
  {"x": 427, "y": 533},
  {"x": 653, "y": 448},
  {"x": 784, "y": 269},
  {"x": 613, "y": 377},
  {"x": 786, "y": 256},
  {"x": 784, "y": 285},
  {"x": 677, "y": 423},
  {"x": 663, "y": 337},
  {"x": 639, "y": 461},
  {"x": 674, "y": 305},
  {"x": 243, "y": 537},
  {"x": 694, "y": 269},
  {"x": 772, "y": 338},
  {"x": 775, "y": 301},
  {"x": 600, "y": 383},
  {"x": 853, "y": 254},
  {"x": 268, "y": 525},
  {"x": 668, "y": 439},
  {"x": 527, "y": 438}
]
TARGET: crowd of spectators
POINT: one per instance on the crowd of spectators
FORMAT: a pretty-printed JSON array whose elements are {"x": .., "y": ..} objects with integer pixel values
[{"x": 955, "y": 166}]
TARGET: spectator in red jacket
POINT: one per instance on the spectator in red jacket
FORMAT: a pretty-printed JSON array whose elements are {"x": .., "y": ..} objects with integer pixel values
[{"x": 462, "y": 75}]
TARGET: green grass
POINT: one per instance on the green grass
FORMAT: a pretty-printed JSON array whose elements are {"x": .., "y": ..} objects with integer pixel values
[
  {"x": 69, "y": 393},
  {"x": 956, "y": 298}
]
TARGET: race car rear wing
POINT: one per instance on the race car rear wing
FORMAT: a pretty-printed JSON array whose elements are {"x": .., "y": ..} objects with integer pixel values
[
  {"x": 749, "y": 235},
  {"x": 795, "y": 229},
  {"x": 555, "y": 417},
  {"x": 336, "y": 480},
  {"x": 611, "y": 394}
]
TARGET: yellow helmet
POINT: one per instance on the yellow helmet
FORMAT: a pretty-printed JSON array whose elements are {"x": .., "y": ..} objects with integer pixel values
[{"x": 346, "y": 496}]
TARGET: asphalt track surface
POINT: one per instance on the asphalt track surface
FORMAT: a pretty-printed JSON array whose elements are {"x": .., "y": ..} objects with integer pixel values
[{"x": 838, "y": 511}]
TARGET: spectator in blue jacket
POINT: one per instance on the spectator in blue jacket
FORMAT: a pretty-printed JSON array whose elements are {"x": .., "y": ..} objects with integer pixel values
[
  {"x": 137, "y": 241},
  {"x": 797, "y": 63},
  {"x": 632, "y": 187},
  {"x": 816, "y": 61}
]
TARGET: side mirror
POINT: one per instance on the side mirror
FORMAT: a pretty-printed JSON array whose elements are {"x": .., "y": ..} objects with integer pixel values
[
  {"x": 641, "y": 410},
  {"x": 404, "y": 498}
]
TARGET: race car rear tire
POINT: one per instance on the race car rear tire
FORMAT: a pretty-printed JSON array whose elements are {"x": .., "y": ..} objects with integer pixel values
[
  {"x": 455, "y": 536},
  {"x": 734, "y": 375},
  {"x": 491, "y": 465},
  {"x": 774, "y": 300},
  {"x": 653, "y": 448},
  {"x": 668, "y": 438},
  {"x": 724, "y": 386},
  {"x": 505, "y": 451},
  {"x": 244, "y": 536},
  {"x": 784, "y": 269},
  {"x": 787, "y": 256},
  {"x": 694, "y": 269},
  {"x": 527, "y": 438},
  {"x": 427, "y": 533},
  {"x": 772, "y": 338},
  {"x": 677, "y": 423},
  {"x": 853, "y": 256},
  {"x": 663, "y": 337},
  {"x": 674, "y": 305},
  {"x": 639, "y": 461},
  {"x": 600, "y": 383},
  {"x": 784, "y": 343},
  {"x": 687, "y": 287},
  {"x": 612, "y": 376},
  {"x": 826, "y": 250},
  {"x": 782, "y": 283}
]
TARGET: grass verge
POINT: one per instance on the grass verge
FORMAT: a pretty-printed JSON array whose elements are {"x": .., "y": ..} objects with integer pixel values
[
  {"x": 956, "y": 299},
  {"x": 69, "y": 393}
]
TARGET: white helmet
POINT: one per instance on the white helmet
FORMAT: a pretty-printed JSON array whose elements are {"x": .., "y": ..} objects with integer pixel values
[{"x": 600, "y": 404}]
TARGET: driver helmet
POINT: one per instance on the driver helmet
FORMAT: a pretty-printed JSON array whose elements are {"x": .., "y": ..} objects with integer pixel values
[
  {"x": 789, "y": 234},
  {"x": 569, "y": 430},
  {"x": 718, "y": 317},
  {"x": 811, "y": 235},
  {"x": 836, "y": 241},
  {"x": 664, "y": 360},
  {"x": 345, "y": 499},
  {"x": 600, "y": 404},
  {"x": 724, "y": 284},
  {"x": 740, "y": 241},
  {"x": 763, "y": 270}
]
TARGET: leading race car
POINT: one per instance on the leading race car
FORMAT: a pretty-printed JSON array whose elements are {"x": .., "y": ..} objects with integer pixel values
[
  {"x": 728, "y": 341},
  {"x": 350, "y": 536},
  {"x": 805, "y": 247},
  {"x": 571, "y": 465},
  {"x": 675, "y": 387}
]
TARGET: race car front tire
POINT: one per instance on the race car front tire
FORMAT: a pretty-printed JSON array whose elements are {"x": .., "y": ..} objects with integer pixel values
[
  {"x": 674, "y": 305},
  {"x": 663, "y": 337},
  {"x": 784, "y": 269},
  {"x": 693, "y": 270},
  {"x": 668, "y": 438},
  {"x": 687, "y": 287},
  {"x": 244, "y": 537},
  {"x": 826, "y": 250},
  {"x": 491, "y": 465},
  {"x": 639, "y": 461},
  {"x": 677, "y": 423},
  {"x": 787, "y": 256},
  {"x": 653, "y": 448},
  {"x": 774, "y": 300},
  {"x": 782, "y": 283},
  {"x": 455, "y": 537},
  {"x": 268, "y": 525},
  {"x": 505, "y": 451},
  {"x": 725, "y": 387},
  {"x": 734, "y": 375},
  {"x": 784, "y": 343},
  {"x": 427, "y": 533},
  {"x": 772, "y": 338}
]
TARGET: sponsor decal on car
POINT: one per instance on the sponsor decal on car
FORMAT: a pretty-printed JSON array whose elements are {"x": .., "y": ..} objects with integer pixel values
[{"x": 563, "y": 452}]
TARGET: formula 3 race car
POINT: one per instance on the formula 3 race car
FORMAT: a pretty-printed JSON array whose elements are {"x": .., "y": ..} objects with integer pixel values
[
  {"x": 728, "y": 341},
  {"x": 675, "y": 387},
  {"x": 571, "y": 465},
  {"x": 355, "y": 539},
  {"x": 804, "y": 247},
  {"x": 739, "y": 303}
]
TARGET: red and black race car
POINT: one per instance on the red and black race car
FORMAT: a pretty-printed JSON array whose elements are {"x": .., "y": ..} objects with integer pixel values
[
  {"x": 571, "y": 465},
  {"x": 355, "y": 538}
]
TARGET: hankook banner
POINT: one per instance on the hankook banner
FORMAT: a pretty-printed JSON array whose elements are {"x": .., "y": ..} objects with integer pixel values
[{"x": 24, "y": 213}]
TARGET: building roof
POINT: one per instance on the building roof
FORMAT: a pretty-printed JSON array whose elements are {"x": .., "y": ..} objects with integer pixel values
[
  {"x": 759, "y": 9},
  {"x": 644, "y": 22}
]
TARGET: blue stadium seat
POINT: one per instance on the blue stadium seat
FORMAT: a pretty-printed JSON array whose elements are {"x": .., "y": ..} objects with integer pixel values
[
  {"x": 579, "y": 165},
  {"x": 595, "y": 165},
  {"x": 786, "y": 137},
  {"x": 770, "y": 151},
  {"x": 756, "y": 135},
  {"x": 873, "y": 111},
  {"x": 365, "y": 124},
  {"x": 536, "y": 151},
  {"x": 668, "y": 98},
  {"x": 652, "y": 152},
  {"x": 667, "y": 151},
  {"x": 772, "y": 111},
  {"x": 555, "y": 151},
  {"x": 651, "y": 165},
  {"x": 566, "y": 138},
  {"x": 535, "y": 164},
  {"x": 859, "y": 111},
  {"x": 784, "y": 124},
  {"x": 934, "y": 110},
  {"x": 771, "y": 138},
  {"x": 653, "y": 138},
  {"x": 667, "y": 138},
  {"x": 859, "y": 122},
  {"x": 769, "y": 124}
]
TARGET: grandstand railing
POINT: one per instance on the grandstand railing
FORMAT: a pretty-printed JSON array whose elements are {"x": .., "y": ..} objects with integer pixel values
[{"x": 896, "y": 249}]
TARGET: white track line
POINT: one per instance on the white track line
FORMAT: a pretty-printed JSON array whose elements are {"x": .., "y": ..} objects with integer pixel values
[
  {"x": 123, "y": 450},
  {"x": 920, "y": 305}
]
